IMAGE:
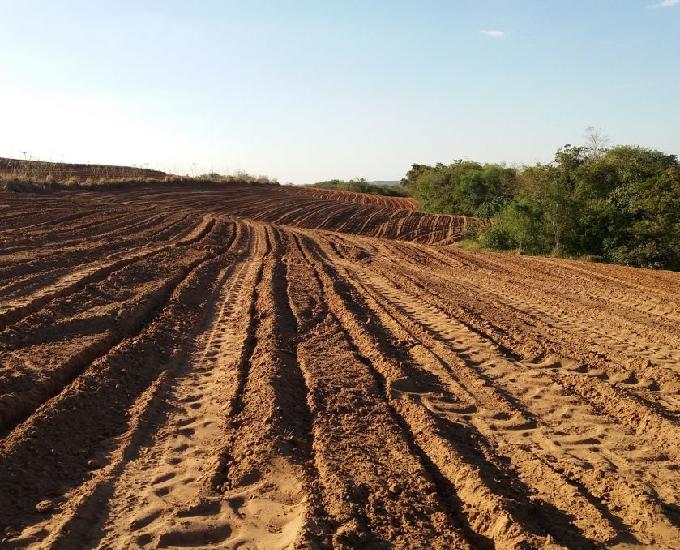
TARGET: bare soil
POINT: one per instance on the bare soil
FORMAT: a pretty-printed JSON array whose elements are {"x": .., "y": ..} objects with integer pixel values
[
  {"x": 61, "y": 171},
  {"x": 262, "y": 367}
]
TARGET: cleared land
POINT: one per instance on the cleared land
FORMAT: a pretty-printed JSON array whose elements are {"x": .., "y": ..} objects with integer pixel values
[
  {"x": 61, "y": 172},
  {"x": 252, "y": 366}
]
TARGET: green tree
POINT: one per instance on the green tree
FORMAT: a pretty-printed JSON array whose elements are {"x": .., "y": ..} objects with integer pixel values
[
  {"x": 621, "y": 204},
  {"x": 463, "y": 188}
]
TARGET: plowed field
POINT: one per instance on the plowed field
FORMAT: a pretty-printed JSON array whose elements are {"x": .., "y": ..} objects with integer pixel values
[
  {"x": 60, "y": 171},
  {"x": 260, "y": 367}
]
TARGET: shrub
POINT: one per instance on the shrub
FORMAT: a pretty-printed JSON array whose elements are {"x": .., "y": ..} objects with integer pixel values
[
  {"x": 462, "y": 188},
  {"x": 620, "y": 205},
  {"x": 498, "y": 237},
  {"x": 360, "y": 185}
]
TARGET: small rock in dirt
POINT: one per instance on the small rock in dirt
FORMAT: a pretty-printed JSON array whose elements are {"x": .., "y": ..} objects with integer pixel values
[{"x": 44, "y": 506}]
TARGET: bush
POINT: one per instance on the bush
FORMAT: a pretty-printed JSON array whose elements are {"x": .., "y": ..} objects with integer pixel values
[
  {"x": 620, "y": 205},
  {"x": 360, "y": 185},
  {"x": 462, "y": 188},
  {"x": 517, "y": 226},
  {"x": 498, "y": 237}
]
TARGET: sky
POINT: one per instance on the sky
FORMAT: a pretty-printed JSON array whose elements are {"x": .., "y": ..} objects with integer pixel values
[{"x": 312, "y": 90}]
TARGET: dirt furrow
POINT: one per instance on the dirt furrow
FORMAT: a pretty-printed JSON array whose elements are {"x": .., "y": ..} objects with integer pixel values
[
  {"x": 83, "y": 428},
  {"x": 369, "y": 495},
  {"x": 253, "y": 366},
  {"x": 170, "y": 479},
  {"x": 564, "y": 431},
  {"x": 613, "y": 394},
  {"x": 13, "y": 311},
  {"x": 24, "y": 389},
  {"x": 491, "y": 517},
  {"x": 274, "y": 445},
  {"x": 31, "y": 275}
]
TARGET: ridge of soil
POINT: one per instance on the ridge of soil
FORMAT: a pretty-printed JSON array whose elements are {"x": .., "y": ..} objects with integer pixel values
[{"x": 241, "y": 367}]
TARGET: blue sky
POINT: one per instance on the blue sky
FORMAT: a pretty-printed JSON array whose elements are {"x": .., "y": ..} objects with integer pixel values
[{"x": 310, "y": 90}]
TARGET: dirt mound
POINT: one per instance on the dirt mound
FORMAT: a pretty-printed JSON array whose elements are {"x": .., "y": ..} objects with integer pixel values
[
  {"x": 299, "y": 207},
  {"x": 62, "y": 171},
  {"x": 405, "y": 203},
  {"x": 211, "y": 367}
]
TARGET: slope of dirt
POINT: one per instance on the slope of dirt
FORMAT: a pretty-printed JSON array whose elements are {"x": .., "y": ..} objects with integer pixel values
[
  {"x": 61, "y": 171},
  {"x": 406, "y": 203},
  {"x": 215, "y": 368},
  {"x": 302, "y": 207}
]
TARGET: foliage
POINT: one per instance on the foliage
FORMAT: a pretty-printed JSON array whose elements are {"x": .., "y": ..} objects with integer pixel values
[
  {"x": 462, "y": 188},
  {"x": 517, "y": 226},
  {"x": 23, "y": 183},
  {"x": 619, "y": 204},
  {"x": 238, "y": 177},
  {"x": 360, "y": 185}
]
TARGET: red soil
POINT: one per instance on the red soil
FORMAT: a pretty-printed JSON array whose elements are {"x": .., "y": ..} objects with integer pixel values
[{"x": 242, "y": 366}]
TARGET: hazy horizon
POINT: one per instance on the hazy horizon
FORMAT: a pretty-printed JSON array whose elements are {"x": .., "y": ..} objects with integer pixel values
[{"x": 306, "y": 91}]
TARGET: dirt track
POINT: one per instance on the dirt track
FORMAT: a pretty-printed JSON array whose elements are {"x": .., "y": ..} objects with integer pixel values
[{"x": 176, "y": 370}]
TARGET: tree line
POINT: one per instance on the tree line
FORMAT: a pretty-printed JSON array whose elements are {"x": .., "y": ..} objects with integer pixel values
[
  {"x": 615, "y": 204},
  {"x": 360, "y": 185}
]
